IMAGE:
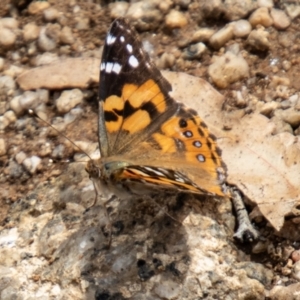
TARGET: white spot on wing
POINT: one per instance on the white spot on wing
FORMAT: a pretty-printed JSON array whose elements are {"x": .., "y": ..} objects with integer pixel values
[
  {"x": 129, "y": 48},
  {"x": 108, "y": 67},
  {"x": 155, "y": 171},
  {"x": 122, "y": 39},
  {"x": 110, "y": 39},
  {"x": 116, "y": 68},
  {"x": 133, "y": 61},
  {"x": 179, "y": 179},
  {"x": 102, "y": 66}
]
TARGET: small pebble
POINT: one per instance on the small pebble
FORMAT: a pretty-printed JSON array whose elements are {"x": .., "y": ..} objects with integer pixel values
[
  {"x": 46, "y": 43},
  {"x": 259, "y": 40},
  {"x": 1, "y": 63},
  {"x": 280, "y": 19},
  {"x": 265, "y": 3},
  {"x": 291, "y": 116},
  {"x": 7, "y": 85},
  {"x": 13, "y": 71},
  {"x": 7, "y": 38},
  {"x": 72, "y": 115},
  {"x": 43, "y": 95},
  {"x": 165, "y": 6},
  {"x": 235, "y": 9},
  {"x": 28, "y": 100},
  {"x": 295, "y": 256},
  {"x": 50, "y": 14},
  {"x": 175, "y": 19},
  {"x": 194, "y": 51},
  {"x": 202, "y": 35},
  {"x": 221, "y": 37},
  {"x": 296, "y": 270},
  {"x": 166, "y": 61},
  {"x": 118, "y": 9},
  {"x": 20, "y": 157},
  {"x": 68, "y": 100},
  {"x": 9, "y": 23},
  {"x": 37, "y": 7},
  {"x": 66, "y": 36},
  {"x": 241, "y": 28},
  {"x": 32, "y": 164},
  {"x": 293, "y": 10},
  {"x": 31, "y": 32},
  {"x": 58, "y": 151},
  {"x": 262, "y": 17},
  {"x": 3, "y": 122},
  {"x": 82, "y": 23},
  {"x": 3, "y": 148},
  {"x": 10, "y": 116},
  {"x": 227, "y": 69}
]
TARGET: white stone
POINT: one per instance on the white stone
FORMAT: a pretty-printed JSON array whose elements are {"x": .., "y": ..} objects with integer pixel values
[
  {"x": 50, "y": 14},
  {"x": 68, "y": 100},
  {"x": 32, "y": 163},
  {"x": 43, "y": 95},
  {"x": 221, "y": 37},
  {"x": 280, "y": 19},
  {"x": 241, "y": 28},
  {"x": 227, "y": 69},
  {"x": 28, "y": 100},
  {"x": 20, "y": 157},
  {"x": 45, "y": 43}
]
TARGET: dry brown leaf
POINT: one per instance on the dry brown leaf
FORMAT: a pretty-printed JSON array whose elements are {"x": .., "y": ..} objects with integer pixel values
[{"x": 265, "y": 167}]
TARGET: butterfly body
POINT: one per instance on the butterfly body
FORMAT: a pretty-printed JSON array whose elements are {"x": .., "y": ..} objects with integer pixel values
[{"x": 149, "y": 143}]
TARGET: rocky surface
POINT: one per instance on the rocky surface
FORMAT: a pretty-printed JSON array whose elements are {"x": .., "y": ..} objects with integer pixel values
[{"x": 52, "y": 243}]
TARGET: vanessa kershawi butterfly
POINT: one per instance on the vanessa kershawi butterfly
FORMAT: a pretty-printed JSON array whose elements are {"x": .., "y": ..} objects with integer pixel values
[{"x": 148, "y": 142}]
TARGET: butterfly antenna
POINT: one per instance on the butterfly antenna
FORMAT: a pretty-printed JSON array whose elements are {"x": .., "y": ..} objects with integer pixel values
[{"x": 34, "y": 114}]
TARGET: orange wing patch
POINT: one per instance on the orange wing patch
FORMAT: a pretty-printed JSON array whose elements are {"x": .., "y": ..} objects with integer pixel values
[{"x": 131, "y": 111}]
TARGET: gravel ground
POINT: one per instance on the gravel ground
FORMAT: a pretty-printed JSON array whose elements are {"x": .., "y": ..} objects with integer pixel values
[{"x": 51, "y": 246}]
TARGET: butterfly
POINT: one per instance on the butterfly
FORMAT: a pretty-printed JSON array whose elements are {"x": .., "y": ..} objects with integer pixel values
[{"x": 149, "y": 143}]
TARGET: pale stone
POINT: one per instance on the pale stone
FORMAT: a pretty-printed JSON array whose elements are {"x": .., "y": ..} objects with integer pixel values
[
  {"x": 68, "y": 100},
  {"x": 262, "y": 17},
  {"x": 221, "y": 37},
  {"x": 175, "y": 19},
  {"x": 3, "y": 148},
  {"x": 280, "y": 19},
  {"x": 227, "y": 69},
  {"x": 31, "y": 32}
]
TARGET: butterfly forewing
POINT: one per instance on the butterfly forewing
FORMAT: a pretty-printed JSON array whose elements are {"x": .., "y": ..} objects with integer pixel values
[
  {"x": 162, "y": 142},
  {"x": 134, "y": 94}
]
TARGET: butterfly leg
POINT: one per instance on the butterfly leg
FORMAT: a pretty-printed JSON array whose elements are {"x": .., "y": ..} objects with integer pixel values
[{"x": 246, "y": 232}]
